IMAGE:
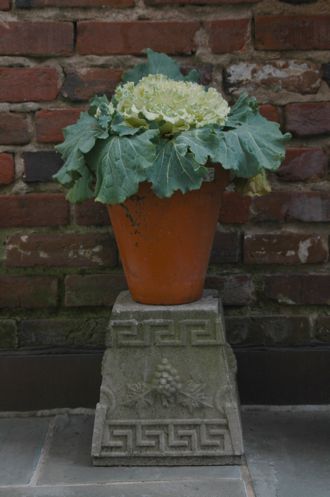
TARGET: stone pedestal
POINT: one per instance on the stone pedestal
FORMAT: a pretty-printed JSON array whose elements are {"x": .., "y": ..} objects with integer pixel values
[{"x": 168, "y": 394}]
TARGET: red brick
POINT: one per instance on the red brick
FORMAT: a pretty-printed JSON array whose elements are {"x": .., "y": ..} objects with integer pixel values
[
  {"x": 303, "y": 164},
  {"x": 40, "y": 166},
  {"x": 235, "y": 208},
  {"x": 289, "y": 206},
  {"x": 228, "y": 35},
  {"x": 132, "y": 37},
  {"x": 93, "y": 289},
  {"x": 91, "y": 213},
  {"x": 305, "y": 119},
  {"x": 292, "y": 32},
  {"x": 27, "y": 4},
  {"x": 199, "y": 2},
  {"x": 226, "y": 248},
  {"x": 5, "y": 4},
  {"x": 326, "y": 73},
  {"x": 36, "y": 38},
  {"x": 40, "y": 84},
  {"x": 82, "y": 84},
  {"x": 34, "y": 209},
  {"x": 50, "y": 123},
  {"x": 268, "y": 330},
  {"x": 7, "y": 169},
  {"x": 295, "y": 288},
  {"x": 61, "y": 250},
  {"x": 285, "y": 248},
  {"x": 234, "y": 289},
  {"x": 29, "y": 292},
  {"x": 13, "y": 129},
  {"x": 270, "y": 112}
]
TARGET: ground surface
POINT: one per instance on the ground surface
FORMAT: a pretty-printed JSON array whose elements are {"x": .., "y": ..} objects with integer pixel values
[{"x": 288, "y": 454}]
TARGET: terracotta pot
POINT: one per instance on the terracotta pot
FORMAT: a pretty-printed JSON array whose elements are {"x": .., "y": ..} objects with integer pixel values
[{"x": 165, "y": 244}]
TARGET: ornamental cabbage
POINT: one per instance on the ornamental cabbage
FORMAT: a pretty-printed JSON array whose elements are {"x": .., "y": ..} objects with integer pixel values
[
  {"x": 164, "y": 128},
  {"x": 175, "y": 105}
]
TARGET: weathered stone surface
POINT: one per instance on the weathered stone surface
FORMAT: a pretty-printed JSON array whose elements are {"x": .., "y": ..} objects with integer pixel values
[
  {"x": 168, "y": 395},
  {"x": 8, "y": 334},
  {"x": 303, "y": 164},
  {"x": 277, "y": 76}
]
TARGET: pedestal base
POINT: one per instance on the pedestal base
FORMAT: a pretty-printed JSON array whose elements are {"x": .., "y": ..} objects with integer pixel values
[{"x": 168, "y": 394}]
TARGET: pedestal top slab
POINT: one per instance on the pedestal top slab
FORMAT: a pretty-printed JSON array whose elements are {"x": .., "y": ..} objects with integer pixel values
[{"x": 209, "y": 303}]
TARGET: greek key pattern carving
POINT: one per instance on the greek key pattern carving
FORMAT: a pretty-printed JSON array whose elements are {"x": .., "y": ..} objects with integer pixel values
[
  {"x": 165, "y": 333},
  {"x": 162, "y": 438}
]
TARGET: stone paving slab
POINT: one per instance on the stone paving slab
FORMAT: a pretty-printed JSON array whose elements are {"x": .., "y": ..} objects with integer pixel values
[
  {"x": 60, "y": 466},
  {"x": 288, "y": 451},
  {"x": 68, "y": 460},
  {"x": 194, "y": 488},
  {"x": 21, "y": 442}
]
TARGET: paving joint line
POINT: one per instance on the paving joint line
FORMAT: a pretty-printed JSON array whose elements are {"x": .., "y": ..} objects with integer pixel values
[
  {"x": 43, "y": 453},
  {"x": 116, "y": 483}
]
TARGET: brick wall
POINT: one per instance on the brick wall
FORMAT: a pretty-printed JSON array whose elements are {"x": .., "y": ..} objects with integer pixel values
[{"x": 59, "y": 272}]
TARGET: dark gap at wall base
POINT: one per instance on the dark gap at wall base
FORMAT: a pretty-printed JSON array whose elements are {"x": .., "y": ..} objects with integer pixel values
[{"x": 265, "y": 376}]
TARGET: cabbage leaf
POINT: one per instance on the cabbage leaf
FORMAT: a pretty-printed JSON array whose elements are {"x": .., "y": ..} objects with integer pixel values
[{"x": 159, "y": 63}]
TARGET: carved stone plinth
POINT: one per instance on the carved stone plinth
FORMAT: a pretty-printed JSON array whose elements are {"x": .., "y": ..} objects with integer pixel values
[{"x": 168, "y": 394}]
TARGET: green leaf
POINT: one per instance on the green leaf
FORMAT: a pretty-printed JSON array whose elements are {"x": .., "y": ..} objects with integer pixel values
[
  {"x": 254, "y": 145},
  {"x": 174, "y": 169},
  {"x": 122, "y": 163},
  {"x": 98, "y": 102},
  {"x": 121, "y": 128},
  {"x": 79, "y": 139},
  {"x": 241, "y": 110},
  {"x": 159, "y": 63},
  {"x": 82, "y": 188},
  {"x": 202, "y": 142}
]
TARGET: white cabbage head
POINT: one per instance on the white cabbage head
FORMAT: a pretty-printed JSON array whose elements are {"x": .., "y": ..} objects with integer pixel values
[{"x": 175, "y": 105}]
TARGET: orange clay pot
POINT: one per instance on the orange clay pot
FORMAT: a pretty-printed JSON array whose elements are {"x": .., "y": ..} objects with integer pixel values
[{"x": 165, "y": 243}]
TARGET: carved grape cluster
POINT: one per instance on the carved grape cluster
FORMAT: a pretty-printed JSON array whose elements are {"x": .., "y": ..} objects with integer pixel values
[{"x": 166, "y": 380}]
